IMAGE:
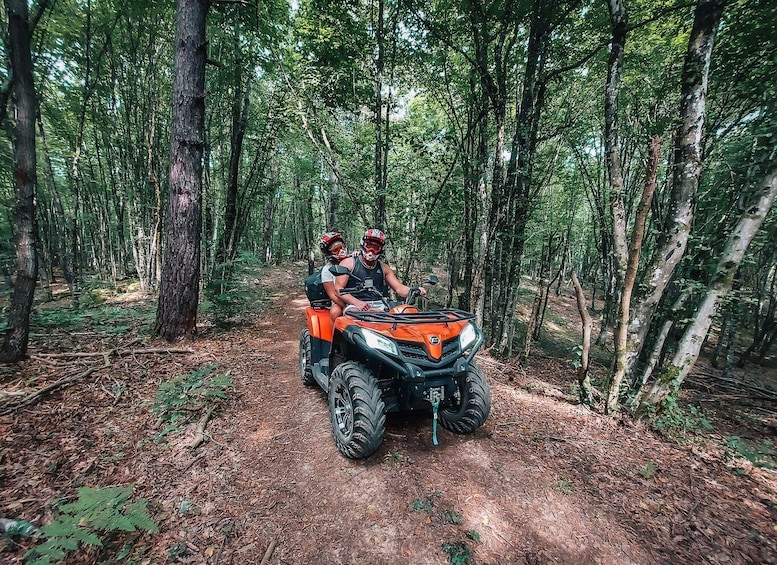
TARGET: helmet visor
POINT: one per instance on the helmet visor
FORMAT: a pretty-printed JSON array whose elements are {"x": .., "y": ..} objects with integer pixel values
[
  {"x": 337, "y": 249},
  {"x": 373, "y": 246}
]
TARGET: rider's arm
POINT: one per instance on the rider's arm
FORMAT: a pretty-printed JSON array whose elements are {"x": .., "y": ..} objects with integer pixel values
[
  {"x": 340, "y": 283},
  {"x": 328, "y": 280},
  {"x": 392, "y": 280}
]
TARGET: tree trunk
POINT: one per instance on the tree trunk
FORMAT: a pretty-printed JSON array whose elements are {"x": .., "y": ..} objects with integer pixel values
[
  {"x": 179, "y": 293},
  {"x": 583, "y": 377},
  {"x": 228, "y": 242},
  {"x": 673, "y": 375},
  {"x": 637, "y": 235},
  {"x": 685, "y": 175},
  {"x": 25, "y": 178},
  {"x": 517, "y": 193},
  {"x": 380, "y": 170},
  {"x": 658, "y": 347}
]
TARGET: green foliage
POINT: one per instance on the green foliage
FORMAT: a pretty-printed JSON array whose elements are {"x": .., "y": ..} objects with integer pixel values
[
  {"x": 100, "y": 317},
  {"x": 187, "y": 393},
  {"x": 473, "y": 535},
  {"x": 564, "y": 486},
  {"x": 759, "y": 454},
  {"x": 452, "y": 517},
  {"x": 675, "y": 423},
  {"x": 97, "y": 511},
  {"x": 229, "y": 295},
  {"x": 648, "y": 470},
  {"x": 459, "y": 553},
  {"x": 577, "y": 351},
  {"x": 426, "y": 503},
  {"x": 396, "y": 459}
]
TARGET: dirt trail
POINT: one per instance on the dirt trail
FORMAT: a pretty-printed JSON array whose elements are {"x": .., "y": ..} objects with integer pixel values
[
  {"x": 405, "y": 503},
  {"x": 543, "y": 481}
]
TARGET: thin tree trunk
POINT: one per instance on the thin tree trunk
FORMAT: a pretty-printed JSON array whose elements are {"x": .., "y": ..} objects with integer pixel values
[
  {"x": 637, "y": 236},
  {"x": 658, "y": 346},
  {"x": 380, "y": 180},
  {"x": 685, "y": 175},
  {"x": 583, "y": 377},
  {"x": 179, "y": 293},
  {"x": 58, "y": 216}
]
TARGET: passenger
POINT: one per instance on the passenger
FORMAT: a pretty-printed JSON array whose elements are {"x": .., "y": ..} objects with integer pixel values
[
  {"x": 332, "y": 245},
  {"x": 366, "y": 266}
]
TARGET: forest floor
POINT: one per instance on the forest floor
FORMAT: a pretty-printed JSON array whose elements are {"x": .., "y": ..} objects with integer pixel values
[{"x": 545, "y": 480}]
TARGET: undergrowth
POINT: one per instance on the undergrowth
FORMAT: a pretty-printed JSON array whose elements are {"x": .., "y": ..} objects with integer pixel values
[
  {"x": 96, "y": 513},
  {"x": 177, "y": 399},
  {"x": 677, "y": 423}
]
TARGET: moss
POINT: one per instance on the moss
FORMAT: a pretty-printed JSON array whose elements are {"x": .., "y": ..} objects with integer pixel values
[{"x": 669, "y": 374}]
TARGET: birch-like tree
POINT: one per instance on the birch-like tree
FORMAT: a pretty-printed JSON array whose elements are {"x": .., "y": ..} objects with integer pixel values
[
  {"x": 686, "y": 172},
  {"x": 672, "y": 375}
]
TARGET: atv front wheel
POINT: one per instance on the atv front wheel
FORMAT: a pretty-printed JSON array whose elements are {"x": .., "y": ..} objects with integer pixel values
[
  {"x": 305, "y": 370},
  {"x": 356, "y": 410},
  {"x": 471, "y": 405}
]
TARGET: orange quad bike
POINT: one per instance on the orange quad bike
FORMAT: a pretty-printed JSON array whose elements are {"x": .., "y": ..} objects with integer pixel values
[{"x": 401, "y": 360}]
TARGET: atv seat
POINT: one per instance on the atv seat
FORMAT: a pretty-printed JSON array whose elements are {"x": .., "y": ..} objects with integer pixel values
[{"x": 323, "y": 304}]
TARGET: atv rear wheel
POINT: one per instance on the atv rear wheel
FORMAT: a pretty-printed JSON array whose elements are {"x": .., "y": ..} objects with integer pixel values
[
  {"x": 356, "y": 410},
  {"x": 472, "y": 404},
  {"x": 305, "y": 370}
]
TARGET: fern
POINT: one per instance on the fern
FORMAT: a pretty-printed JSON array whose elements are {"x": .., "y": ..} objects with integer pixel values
[
  {"x": 96, "y": 510},
  {"x": 190, "y": 391}
]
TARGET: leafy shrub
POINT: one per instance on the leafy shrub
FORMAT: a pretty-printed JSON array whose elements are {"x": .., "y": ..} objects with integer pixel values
[
  {"x": 459, "y": 553},
  {"x": 760, "y": 455},
  {"x": 676, "y": 423}
]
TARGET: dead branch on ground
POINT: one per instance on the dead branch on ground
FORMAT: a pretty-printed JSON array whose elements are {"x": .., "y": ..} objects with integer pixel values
[
  {"x": 112, "y": 352},
  {"x": 53, "y": 386},
  {"x": 199, "y": 434}
]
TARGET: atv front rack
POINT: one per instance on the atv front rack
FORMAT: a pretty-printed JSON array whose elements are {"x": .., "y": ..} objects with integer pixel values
[{"x": 440, "y": 316}]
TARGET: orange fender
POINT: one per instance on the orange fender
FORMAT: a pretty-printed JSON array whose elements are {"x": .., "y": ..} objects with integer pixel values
[{"x": 319, "y": 323}]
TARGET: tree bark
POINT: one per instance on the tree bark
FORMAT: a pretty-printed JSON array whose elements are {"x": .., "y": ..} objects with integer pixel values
[
  {"x": 380, "y": 170},
  {"x": 25, "y": 178},
  {"x": 688, "y": 349},
  {"x": 583, "y": 377},
  {"x": 630, "y": 276},
  {"x": 179, "y": 293},
  {"x": 229, "y": 240},
  {"x": 685, "y": 175}
]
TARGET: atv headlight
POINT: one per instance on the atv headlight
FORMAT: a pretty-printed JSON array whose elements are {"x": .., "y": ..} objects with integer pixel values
[
  {"x": 468, "y": 336},
  {"x": 379, "y": 342}
]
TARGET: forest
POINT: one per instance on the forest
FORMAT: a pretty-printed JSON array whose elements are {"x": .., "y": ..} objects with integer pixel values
[{"x": 624, "y": 151}]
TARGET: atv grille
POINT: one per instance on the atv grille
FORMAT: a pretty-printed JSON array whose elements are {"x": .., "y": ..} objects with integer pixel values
[{"x": 416, "y": 353}]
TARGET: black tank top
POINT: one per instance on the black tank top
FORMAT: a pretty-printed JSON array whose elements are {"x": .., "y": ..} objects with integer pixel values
[{"x": 375, "y": 275}]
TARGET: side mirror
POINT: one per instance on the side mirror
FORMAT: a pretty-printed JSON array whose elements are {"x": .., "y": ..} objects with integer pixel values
[
  {"x": 432, "y": 279},
  {"x": 339, "y": 270}
]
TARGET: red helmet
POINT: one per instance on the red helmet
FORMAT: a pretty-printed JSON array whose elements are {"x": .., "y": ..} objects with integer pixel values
[
  {"x": 328, "y": 245},
  {"x": 373, "y": 241}
]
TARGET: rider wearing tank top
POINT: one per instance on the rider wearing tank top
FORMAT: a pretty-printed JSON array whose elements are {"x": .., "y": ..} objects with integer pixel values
[
  {"x": 367, "y": 266},
  {"x": 371, "y": 276}
]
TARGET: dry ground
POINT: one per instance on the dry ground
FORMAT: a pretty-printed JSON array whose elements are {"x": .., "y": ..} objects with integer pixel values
[{"x": 544, "y": 481}]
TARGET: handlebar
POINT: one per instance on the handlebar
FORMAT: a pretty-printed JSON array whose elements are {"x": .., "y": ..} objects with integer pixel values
[{"x": 412, "y": 294}]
